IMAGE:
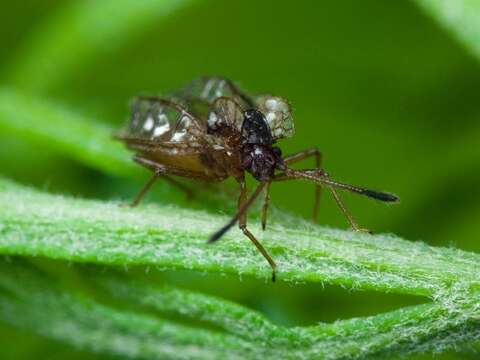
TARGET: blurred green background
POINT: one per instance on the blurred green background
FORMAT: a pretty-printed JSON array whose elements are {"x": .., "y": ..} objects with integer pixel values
[{"x": 387, "y": 94}]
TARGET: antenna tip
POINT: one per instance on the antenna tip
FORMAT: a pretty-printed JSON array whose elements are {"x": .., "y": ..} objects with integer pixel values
[{"x": 382, "y": 196}]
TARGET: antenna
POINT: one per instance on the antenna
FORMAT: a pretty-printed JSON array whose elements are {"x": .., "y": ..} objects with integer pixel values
[{"x": 319, "y": 176}]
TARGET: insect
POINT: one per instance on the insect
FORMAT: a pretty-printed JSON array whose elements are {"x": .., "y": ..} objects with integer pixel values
[{"x": 211, "y": 130}]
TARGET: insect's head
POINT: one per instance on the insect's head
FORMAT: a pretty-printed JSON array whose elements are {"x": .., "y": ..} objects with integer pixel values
[
  {"x": 260, "y": 158},
  {"x": 260, "y": 129}
]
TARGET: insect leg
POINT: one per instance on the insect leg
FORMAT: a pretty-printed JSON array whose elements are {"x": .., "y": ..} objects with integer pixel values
[
  {"x": 162, "y": 171},
  {"x": 266, "y": 202},
  {"x": 345, "y": 212},
  {"x": 242, "y": 224},
  {"x": 319, "y": 176},
  {"x": 293, "y": 158},
  {"x": 151, "y": 181},
  {"x": 302, "y": 155},
  {"x": 144, "y": 190},
  {"x": 243, "y": 205}
]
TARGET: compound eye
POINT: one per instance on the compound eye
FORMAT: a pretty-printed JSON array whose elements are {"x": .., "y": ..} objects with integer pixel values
[{"x": 271, "y": 160}]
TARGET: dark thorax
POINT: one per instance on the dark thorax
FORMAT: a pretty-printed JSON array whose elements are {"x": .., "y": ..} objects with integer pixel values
[{"x": 259, "y": 156}]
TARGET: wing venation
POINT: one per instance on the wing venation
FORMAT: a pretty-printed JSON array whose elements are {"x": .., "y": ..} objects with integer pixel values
[{"x": 165, "y": 122}]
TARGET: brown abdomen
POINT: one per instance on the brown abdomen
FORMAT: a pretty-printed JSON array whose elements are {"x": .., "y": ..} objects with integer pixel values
[{"x": 189, "y": 163}]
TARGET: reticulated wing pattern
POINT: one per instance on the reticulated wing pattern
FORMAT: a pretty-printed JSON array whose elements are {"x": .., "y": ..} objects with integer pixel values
[
  {"x": 164, "y": 122},
  {"x": 208, "y": 89},
  {"x": 277, "y": 113},
  {"x": 225, "y": 114}
]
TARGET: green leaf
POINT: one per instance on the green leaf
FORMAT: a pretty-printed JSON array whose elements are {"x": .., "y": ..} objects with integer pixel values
[
  {"x": 64, "y": 132},
  {"x": 36, "y": 224},
  {"x": 49, "y": 311},
  {"x": 460, "y": 17}
]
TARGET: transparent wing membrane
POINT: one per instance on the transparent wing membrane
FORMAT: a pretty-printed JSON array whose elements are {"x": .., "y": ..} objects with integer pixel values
[
  {"x": 209, "y": 113},
  {"x": 225, "y": 112},
  {"x": 277, "y": 113},
  {"x": 208, "y": 89},
  {"x": 165, "y": 122}
]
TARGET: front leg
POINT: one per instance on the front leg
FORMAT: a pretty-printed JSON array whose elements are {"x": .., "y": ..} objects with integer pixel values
[
  {"x": 244, "y": 204},
  {"x": 319, "y": 175},
  {"x": 242, "y": 224},
  {"x": 293, "y": 158},
  {"x": 302, "y": 155},
  {"x": 266, "y": 203}
]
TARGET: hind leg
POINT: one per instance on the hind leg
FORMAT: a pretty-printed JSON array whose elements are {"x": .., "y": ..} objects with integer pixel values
[{"x": 163, "y": 171}]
